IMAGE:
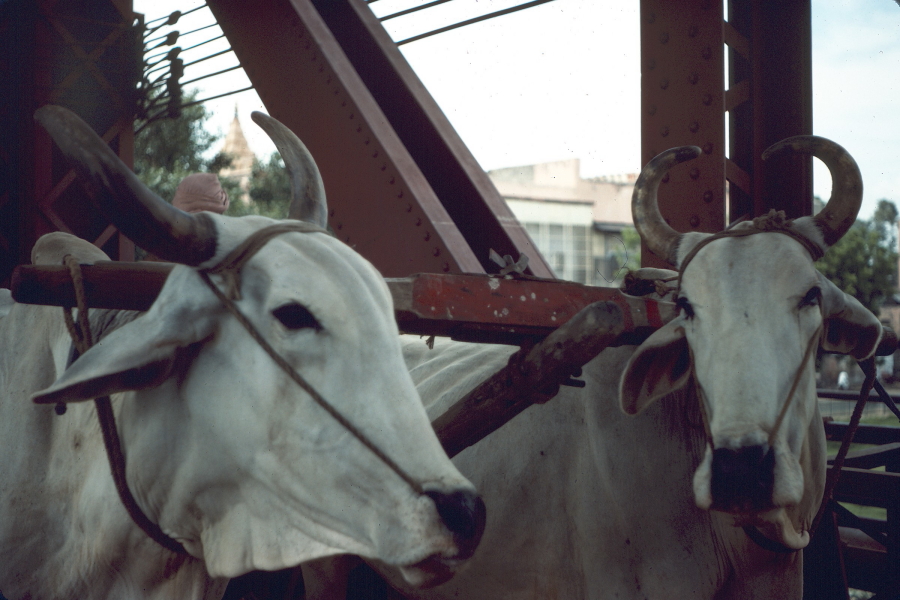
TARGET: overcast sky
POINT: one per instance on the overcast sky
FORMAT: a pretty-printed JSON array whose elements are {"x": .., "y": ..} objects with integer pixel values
[{"x": 562, "y": 80}]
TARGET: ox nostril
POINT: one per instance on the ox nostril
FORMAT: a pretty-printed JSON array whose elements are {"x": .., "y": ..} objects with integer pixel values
[
  {"x": 742, "y": 480},
  {"x": 463, "y": 513}
]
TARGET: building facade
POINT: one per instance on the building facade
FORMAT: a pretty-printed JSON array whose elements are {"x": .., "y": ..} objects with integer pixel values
[{"x": 583, "y": 227}]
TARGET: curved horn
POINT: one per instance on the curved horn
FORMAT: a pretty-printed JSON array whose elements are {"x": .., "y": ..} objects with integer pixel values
[
  {"x": 307, "y": 190},
  {"x": 653, "y": 229},
  {"x": 148, "y": 220},
  {"x": 840, "y": 212}
]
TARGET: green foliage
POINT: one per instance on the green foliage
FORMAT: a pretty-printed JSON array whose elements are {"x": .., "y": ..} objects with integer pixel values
[
  {"x": 168, "y": 150},
  {"x": 270, "y": 190},
  {"x": 629, "y": 253},
  {"x": 864, "y": 262}
]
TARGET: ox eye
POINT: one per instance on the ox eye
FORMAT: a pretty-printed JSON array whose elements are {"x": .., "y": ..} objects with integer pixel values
[
  {"x": 682, "y": 304},
  {"x": 812, "y": 297},
  {"x": 296, "y": 316}
]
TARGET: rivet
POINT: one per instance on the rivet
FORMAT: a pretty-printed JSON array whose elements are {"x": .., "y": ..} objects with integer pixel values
[
  {"x": 427, "y": 236},
  {"x": 343, "y": 104},
  {"x": 331, "y": 213},
  {"x": 446, "y": 268},
  {"x": 650, "y": 18},
  {"x": 339, "y": 226},
  {"x": 327, "y": 81},
  {"x": 694, "y": 127},
  {"x": 400, "y": 194},
  {"x": 383, "y": 167},
  {"x": 392, "y": 180},
  {"x": 651, "y": 110},
  {"x": 664, "y": 131},
  {"x": 359, "y": 130},
  {"x": 708, "y": 148},
  {"x": 321, "y": 68},
  {"x": 693, "y": 31},
  {"x": 436, "y": 252},
  {"x": 409, "y": 208},
  {"x": 336, "y": 90},
  {"x": 694, "y": 78},
  {"x": 375, "y": 154},
  {"x": 707, "y": 99},
  {"x": 664, "y": 37},
  {"x": 651, "y": 64},
  {"x": 706, "y": 53},
  {"x": 352, "y": 116},
  {"x": 665, "y": 178},
  {"x": 663, "y": 84},
  {"x": 695, "y": 220},
  {"x": 708, "y": 196},
  {"x": 366, "y": 142},
  {"x": 418, "y": 221},
  {"x": 695, "y": 173}
]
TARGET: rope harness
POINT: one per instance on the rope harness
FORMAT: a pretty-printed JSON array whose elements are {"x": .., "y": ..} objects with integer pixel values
[
  {"x": 229, "y": 269},
  {"x": 775, "y": 222}
]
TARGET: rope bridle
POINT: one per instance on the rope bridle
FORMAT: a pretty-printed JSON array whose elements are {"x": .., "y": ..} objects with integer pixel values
[
  {"x": 229, "y": 269},
  {"x": 775, "y": 222}
]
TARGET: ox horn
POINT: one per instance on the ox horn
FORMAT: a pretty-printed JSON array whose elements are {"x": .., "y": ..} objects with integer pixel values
[
  {"x": 148, "y": 220},
  {"x": 653, "y": 229},
  {"x": 307, "y": 191},
  {"x": 840, "y": 212}
]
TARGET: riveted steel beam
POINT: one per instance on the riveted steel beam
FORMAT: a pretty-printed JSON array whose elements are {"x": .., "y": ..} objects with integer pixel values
[
  {"x": 380, "y": 202},
  {"x": 682, "y": 103}
]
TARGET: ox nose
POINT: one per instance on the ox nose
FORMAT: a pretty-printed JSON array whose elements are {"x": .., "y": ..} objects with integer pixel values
[
  {"x": 463, "y": 513},
  {"x": 742, "y": 480}
]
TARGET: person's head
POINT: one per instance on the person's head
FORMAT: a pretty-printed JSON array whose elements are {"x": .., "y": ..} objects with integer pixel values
[{"x": 200, "y": 191}]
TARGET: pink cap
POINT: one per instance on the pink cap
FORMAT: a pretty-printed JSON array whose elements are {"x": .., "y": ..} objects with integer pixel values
[{"x": 200, "y": 191}]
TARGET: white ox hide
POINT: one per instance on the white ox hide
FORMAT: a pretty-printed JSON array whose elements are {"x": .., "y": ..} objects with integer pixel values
[
  {"x": 224, "y": 452},
  {"x": 589, "y": 500}
]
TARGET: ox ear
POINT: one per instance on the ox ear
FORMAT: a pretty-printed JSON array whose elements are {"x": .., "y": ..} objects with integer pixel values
[
  {"x": 144, "y": 353},
  {"x": 660, "y": 366},
  {"x": 849, "y": 328}
]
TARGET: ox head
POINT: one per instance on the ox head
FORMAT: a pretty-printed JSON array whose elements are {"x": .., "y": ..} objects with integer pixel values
[
  {"x": 224, "y": 450},
  {"x": 752, "y": 310}
]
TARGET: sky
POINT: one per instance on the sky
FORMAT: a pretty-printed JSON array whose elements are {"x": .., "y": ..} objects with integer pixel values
[{"x": 562, "y": 80}]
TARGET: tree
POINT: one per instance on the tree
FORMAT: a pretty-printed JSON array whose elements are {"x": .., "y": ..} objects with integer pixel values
[
  {"x": 270, "y": 190},
  {"x": 864, "y": 262},
  {"x": 168, "y": 150}
]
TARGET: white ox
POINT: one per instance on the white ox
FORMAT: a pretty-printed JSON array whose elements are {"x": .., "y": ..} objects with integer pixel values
[
  {"x": 228, "y": 455},
  {"x": 588, "y": 502}
]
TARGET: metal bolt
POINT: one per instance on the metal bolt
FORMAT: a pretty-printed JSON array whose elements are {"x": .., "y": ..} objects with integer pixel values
[
  {"x": 650, "y": 18},
  {"x": 706, "y": 53},
  {"x": 665, "y": 178},
  {"x": 694, "y": 127},
  {"x": 708, "y": 196},
  {"x": 664, "y": 131},
  {"x": 427, "y": 236},
  {"x": 339, "y": 226},
  {"x": 694, "y": 78},
  {"x": 651, "y": 110},
  {"x": 418, "y": 221},
  {"x": 695, "y": 173},
  {"x": 331, "y": 213},
  {"x": 707, "y": 148},
  {"x": 695, "y": 220},
  {"x": 384, "y": 167},
  {"x": 693, "y": 30},
  {"x": 375, "y": 154},
  {"x": 664, "y": 37},
  {"x": 409, "y": 208},
  {"x": 446, "y": 268},
  {"x": 707, "y": 99},
  {"x": 400, "y": 194},
  {"x": 664, "y": 84},
  {"x": 436, "y": 252},
  {"x": 392, "y": 180},
  {"x": 651, "y": 64}
]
